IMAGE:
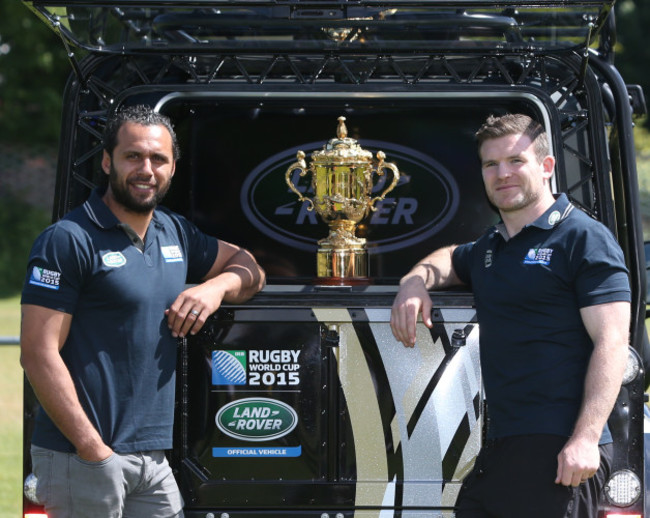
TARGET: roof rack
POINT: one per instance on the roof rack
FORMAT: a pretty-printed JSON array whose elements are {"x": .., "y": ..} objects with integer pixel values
[{"x": 431, "y": 26}]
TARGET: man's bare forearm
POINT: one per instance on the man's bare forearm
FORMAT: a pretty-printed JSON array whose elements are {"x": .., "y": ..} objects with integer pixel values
[
  {"x": 608, "y": 327},
  {"x": 250, "y": 277},
  {"x": 43, "y": 333},
  {"x": 436, "y": 270}
]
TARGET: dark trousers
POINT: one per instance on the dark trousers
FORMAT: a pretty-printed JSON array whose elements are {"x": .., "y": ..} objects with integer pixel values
[{"x": 514, "y": 477}]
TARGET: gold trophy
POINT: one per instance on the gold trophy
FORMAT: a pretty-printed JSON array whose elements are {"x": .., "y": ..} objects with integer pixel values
[{"x": 342, "y": 181}]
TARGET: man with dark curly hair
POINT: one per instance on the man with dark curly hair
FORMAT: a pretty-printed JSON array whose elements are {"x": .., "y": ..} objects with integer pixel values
[{"x": 104, "y": 299}]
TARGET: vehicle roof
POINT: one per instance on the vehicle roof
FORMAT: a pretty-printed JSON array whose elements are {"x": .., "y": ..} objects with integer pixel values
[{"x": 255, "y": 26}]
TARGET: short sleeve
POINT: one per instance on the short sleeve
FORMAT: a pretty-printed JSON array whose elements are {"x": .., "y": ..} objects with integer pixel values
[
  {"x": 601, "y": 275},
  {"x": 55, "y": 269},
  {"x": 462, "y": 260},
  {"x": 201, "y": 250}
]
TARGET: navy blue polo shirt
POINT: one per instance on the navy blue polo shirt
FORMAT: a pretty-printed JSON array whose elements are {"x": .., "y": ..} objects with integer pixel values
[
  {"x": 528, "y": 291},
  {"x": 119, "y": 351}
]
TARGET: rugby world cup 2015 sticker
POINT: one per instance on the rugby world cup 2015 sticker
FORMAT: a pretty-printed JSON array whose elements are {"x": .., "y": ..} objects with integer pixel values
[
  {"x": 256, "y": 368},
  {"x": 255, "y": 420}
]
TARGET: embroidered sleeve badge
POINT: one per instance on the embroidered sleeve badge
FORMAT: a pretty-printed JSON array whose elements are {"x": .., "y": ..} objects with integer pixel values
[{"x": 45, "y": 278}]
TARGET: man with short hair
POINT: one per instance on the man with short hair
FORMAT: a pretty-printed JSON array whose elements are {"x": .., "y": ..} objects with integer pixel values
[
  {"x": 104, "y": 298},
  {"x": 553, "y": 305}
]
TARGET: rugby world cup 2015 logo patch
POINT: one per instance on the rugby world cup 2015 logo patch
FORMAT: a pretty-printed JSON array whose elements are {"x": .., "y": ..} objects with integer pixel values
[
  {"x": 539, "y": 256},
  {"x": 228, "y": 367},
  {"x": 45, "y": 278}
]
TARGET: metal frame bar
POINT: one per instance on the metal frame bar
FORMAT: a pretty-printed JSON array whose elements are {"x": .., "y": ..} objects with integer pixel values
[
  {"x": 325, "y": 3},
  {"x": 148, "y": 25},
  {"x": 556, "y": 77}
]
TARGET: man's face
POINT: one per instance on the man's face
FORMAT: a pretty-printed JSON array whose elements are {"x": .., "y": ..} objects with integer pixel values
[
  {"x": 514, "y": 178},
  {"x": 141, "y": 166}
]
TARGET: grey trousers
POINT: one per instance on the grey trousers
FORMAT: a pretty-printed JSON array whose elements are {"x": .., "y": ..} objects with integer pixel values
[{"x": 134, "y": 485}]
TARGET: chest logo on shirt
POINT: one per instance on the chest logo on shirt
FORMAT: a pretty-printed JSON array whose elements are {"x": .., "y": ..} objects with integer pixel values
[
  {"x": 539, "y": 256},
  {"x": 114, "y": 259},
  {"x": 488, "y": 258},
  {"x": 172, "y": 254}
]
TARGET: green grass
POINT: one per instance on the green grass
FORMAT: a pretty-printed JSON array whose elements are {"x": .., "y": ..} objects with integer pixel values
[
  {"x": 11, "y": 418},
  {"x": 10, "y": 316},
  {"x": 642, "y": 145}
]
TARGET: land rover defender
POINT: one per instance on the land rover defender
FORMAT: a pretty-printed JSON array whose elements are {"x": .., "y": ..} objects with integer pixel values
[{"x": 300, "y": 402}]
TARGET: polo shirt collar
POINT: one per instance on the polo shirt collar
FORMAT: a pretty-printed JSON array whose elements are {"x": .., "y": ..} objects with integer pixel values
[
  {"x": 98, "y": 211},
  {"x": 101, "y": 215},
  {"x": 554, "y": 215}
]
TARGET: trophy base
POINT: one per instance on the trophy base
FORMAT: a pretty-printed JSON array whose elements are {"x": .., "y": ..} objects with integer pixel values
[
  {"x": 347, "y": 263},
  {"x": 342, "y": 281}
]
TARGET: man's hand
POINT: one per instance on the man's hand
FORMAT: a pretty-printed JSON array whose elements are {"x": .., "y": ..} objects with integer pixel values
[
  {"x": 436, "y": 271},
  {"x": 412, "y": 300},
  {"x": 578, "y": 461},
  {"x": 97, "y": 454},
  {"x": 192, "y": 308},
  {"x": 234, "y": 277}
]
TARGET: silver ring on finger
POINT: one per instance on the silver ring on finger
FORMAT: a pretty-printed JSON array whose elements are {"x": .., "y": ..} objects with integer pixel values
[{"x": 195, "y": 312}]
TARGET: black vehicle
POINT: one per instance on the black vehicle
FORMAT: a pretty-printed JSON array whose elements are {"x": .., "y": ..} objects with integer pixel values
[{"x": 365, "y": 428}]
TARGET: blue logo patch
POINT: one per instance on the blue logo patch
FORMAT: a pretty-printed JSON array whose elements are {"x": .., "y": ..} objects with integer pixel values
[
  {"x": 172, "y": 254},
  {"x": 229, "y": 367},
  {"x": 539, "y": 256},
  {"x": 45, "y": 278}
]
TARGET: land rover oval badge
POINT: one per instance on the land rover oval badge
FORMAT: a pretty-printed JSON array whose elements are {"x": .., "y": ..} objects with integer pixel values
[{"x": 256, "y": 419}]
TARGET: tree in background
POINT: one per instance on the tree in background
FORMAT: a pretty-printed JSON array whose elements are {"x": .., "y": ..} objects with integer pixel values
[
  {"x": 632, "y": 50},
  {"x": 33, "y": 71}
]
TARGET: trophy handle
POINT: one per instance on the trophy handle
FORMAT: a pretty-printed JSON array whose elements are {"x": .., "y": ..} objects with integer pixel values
[
  {"x": 381, "y": 165},
  {"x": 300, "y": 164}
]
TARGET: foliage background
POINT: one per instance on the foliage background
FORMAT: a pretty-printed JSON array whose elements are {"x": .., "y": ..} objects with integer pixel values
[
  {"x": 632, "y": 50},
  {"x": 33, "y": 71}
]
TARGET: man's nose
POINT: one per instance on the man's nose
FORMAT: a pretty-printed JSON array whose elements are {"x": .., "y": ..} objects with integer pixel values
[
  {"x": 503, "y": 170},
  {"x": 147, "y": 166}
]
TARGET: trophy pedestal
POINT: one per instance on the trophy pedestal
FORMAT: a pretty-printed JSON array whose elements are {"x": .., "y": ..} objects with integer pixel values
[
  {"x": 342, "y": 267},
  {"x": 342, "y": 281}
]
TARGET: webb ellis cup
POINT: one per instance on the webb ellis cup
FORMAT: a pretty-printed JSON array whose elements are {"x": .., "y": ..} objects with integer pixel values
[{"x": 342, "y": 182}]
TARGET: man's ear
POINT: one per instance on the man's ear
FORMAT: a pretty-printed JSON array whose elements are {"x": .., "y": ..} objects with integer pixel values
[
  {"x": 106, "y": 162},
  {"x": 548, "y": 166}
]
